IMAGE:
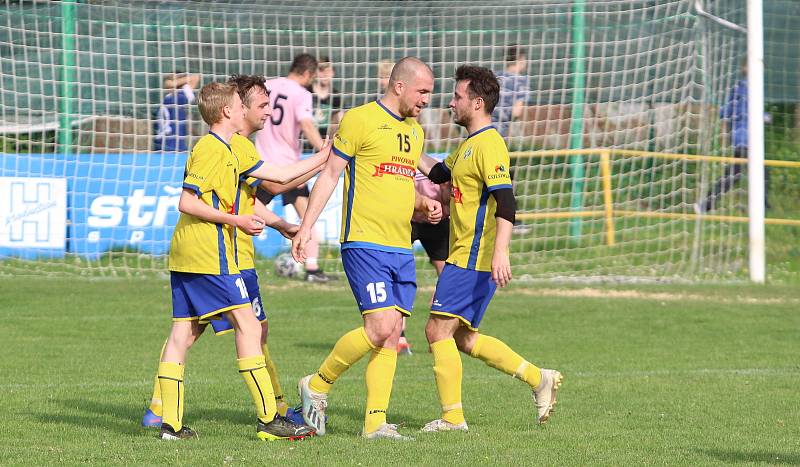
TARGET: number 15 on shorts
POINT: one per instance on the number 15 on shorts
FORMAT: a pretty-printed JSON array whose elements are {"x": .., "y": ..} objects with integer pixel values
[{"x": 377, "y": 292}]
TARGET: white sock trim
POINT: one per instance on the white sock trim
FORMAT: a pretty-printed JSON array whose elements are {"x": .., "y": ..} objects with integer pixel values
[{"x": 523, "y": 367}]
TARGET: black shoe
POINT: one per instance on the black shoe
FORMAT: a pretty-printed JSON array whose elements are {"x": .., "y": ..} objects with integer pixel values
[
  {"x": 167, "y": 432},
  {"x": 317, "y": 276},
  {"x": 282, "y": 428}
]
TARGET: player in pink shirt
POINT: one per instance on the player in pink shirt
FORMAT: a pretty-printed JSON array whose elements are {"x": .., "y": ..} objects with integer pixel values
[{"x": 279, "y": 142}]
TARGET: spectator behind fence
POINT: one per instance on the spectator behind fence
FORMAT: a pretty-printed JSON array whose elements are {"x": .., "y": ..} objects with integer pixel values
[
  {"x": 734, "y": 114},
  {"x": 515, "y": 87},
  {"x": 327, "y": 101},
  {"x": 171, "y": 119}
]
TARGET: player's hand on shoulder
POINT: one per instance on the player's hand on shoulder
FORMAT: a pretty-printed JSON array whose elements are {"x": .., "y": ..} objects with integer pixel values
[
  {"x": 250, "y": 224},
  {"x": 501, "y": 269}
]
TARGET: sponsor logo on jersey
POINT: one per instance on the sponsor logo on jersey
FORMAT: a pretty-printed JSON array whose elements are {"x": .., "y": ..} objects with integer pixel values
[
  {"x": 456, "y": 194},
  {"x": 468, "y": 153},
  {"x": 339, "y": 138},
  {"x": 414, "y": 134},
  {"x": 500, "y": 168},
  {"x": 390, "y": 168},
  {"x": 385, "y": 126}
]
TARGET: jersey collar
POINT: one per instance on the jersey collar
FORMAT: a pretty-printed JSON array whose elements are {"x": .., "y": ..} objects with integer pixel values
[
  {"x": 488, "y": 127},
  {"x": 221, "y": 140},
  {"x": 389, "y": 111}
]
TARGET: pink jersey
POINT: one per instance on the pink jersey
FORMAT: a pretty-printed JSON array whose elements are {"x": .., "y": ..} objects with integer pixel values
[{"x": 279, "y": 141}]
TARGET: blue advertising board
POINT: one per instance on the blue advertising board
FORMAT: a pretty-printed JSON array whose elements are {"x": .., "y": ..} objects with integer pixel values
[{"x": 117, "y": 201}]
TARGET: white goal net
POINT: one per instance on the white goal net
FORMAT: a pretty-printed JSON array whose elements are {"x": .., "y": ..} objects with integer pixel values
[{"x": 620, "y": 83}]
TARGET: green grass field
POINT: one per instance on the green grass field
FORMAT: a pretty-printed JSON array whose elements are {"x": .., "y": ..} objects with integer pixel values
[{"x": 668, "y": 375}]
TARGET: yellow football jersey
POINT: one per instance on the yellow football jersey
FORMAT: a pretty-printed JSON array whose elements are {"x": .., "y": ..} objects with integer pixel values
[
  {"x": 212, "y": 172},
  {"x": 477, "y": 167},
  {"x": 383, "y": 150},
  {"x": 243, "y": 243},
  {"x": 245, "y": 252}
]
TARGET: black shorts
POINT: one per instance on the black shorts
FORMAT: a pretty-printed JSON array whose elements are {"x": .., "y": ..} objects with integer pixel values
[
  {"x": 435, "y": 238},
  {"x": 291, "y": 196}
]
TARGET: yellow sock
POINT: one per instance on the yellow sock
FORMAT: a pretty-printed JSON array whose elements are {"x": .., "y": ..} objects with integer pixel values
[
  {"x": 348, "y": 350},
  {"x": 498, "y": 355},
  {"x": 155, "y": 401},
  {"x": 447, "y": 370},
  {"x": 170, "y": 379},
  {"x": 281, "y": 405},
  {"x": 256, "y": 377},
  {"x": 379, "y": 378}
]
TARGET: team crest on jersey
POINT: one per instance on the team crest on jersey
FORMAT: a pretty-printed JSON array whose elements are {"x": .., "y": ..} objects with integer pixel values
[
  {"x": 414, "y": 134},
  {"x": 390, "y": 168},
  {"x": 468, "y": 153},
  {"x": 456, "y": 194}
]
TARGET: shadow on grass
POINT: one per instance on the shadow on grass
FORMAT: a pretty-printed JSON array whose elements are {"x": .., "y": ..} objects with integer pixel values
[
  {"x": 324, "y": 346},
  {"x": 126, "y": 419},
  {"x": 737, "y": 456}
]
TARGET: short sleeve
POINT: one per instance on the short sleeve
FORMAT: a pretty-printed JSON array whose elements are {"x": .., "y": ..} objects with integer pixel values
[
  {"x": 203, "y": 171},
  {"x": 249, "y": 161},
  {"x": 347, "y": 141},
  {"x": 493, "y": 165},
  {"x": 305, "y": 107},
  {"x": 450, "y": 160}
]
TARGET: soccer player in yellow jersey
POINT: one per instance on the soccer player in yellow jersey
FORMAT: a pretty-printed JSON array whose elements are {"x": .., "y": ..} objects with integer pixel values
[
  {"x": 482, "y": 210},
  {"x": 203, "y": 272},
  {"x": 379, "y": 144},
  {"x": 252, "y": 91}
]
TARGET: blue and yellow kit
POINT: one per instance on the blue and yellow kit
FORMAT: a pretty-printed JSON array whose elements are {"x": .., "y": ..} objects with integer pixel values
[
  {"x": 477, "y": 167},
  {"x": 212, "y": 172},
  {"x": 383, "y": 150}
]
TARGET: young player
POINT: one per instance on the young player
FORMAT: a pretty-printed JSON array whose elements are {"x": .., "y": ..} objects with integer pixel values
[
  {"x": 256, "y": 102},
  {"x": 205, "y": 278},
  {"x": 482, "y": 211},
  {"x": 380, "y": 144},
  {"x": 279, "y": 141}
]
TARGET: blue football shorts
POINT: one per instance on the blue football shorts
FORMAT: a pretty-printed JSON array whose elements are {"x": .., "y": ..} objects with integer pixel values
[
  {"x": 201, "y": 296},
  {"x": 464, "y": 294},
  {"x": 221, "y": 325},
  {"x": 381, "y": 280}
]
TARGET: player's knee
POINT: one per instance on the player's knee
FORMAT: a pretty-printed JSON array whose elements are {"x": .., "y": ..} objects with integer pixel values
[
  {"x": 465, "y": 339},
  {"x": 381, "y": 331},
  {"x": 182, "y": 338}
]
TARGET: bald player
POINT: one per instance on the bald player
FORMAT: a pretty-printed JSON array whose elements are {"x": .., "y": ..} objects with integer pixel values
[{"x": 380, "y": 144}]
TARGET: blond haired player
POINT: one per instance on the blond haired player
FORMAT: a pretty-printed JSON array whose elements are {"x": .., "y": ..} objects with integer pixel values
[{"x": 205, "y": 278}]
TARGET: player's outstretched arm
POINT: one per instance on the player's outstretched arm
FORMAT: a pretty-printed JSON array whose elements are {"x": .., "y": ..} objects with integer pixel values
[
  {"x": 274, "y": 221},
  {"x": 191, "y": 205},
  {"x": 426, "y": 163},
  {"x": 436, "y": 171},
  {"x": 311, "y": 133},
  {"x": 323, "y": 188},
  {"x": 278, "y": 188},
  {"x": 284, "y": 175}
]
